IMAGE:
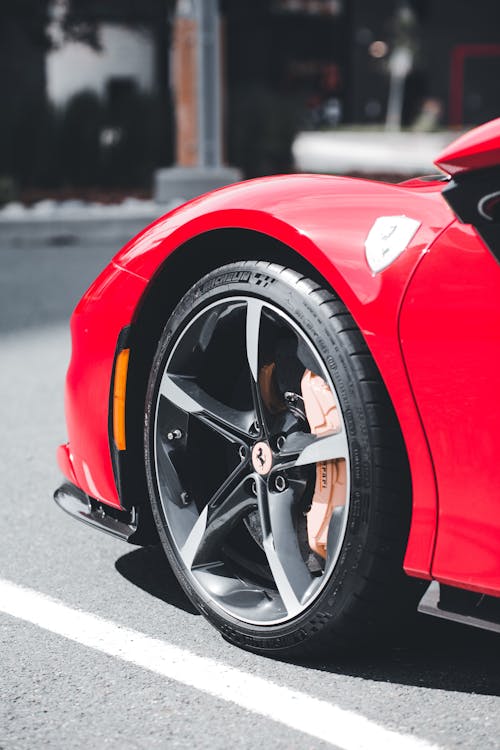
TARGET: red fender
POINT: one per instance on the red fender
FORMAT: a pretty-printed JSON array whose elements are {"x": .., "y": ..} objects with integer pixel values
[{"x": 324, "y": 219}]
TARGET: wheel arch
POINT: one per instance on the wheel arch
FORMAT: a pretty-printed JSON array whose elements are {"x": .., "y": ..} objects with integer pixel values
[
  {"x": 204, "y": 253},
  {"x": 178, "y": 272},
  {"x": 326, "y": 244}
]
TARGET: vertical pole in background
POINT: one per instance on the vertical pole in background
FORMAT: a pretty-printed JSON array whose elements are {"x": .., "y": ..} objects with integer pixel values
[
  {"x": 184, "y": 82},
  {"x": 400, "y": 65},
  {"x": 197, "y": 87},
  {"x": 210, "y": 90}
]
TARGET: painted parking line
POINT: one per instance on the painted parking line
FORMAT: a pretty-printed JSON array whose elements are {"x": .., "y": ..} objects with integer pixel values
[{"x": 299, "y": 711}]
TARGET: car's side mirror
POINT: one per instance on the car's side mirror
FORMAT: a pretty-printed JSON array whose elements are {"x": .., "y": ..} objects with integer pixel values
[{"x": 473, "y": 161}]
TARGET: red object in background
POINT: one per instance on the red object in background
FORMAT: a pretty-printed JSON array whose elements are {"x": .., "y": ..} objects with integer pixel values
[
  {"x": 430, "y": 320},
  {"x": 459, "y": 55}
]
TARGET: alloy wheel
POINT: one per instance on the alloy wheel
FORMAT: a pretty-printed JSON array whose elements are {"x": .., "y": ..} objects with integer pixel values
[{"x": 240, "y": 463}]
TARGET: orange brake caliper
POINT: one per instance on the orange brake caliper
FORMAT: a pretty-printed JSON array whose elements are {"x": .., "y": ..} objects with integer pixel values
[{"x": 330, "y": 490}]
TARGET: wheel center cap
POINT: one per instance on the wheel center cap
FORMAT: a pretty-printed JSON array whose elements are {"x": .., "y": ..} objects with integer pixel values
[{"x": 262, "y": 458}]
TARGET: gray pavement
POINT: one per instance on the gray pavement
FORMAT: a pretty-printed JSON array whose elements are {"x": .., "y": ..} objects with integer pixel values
[{"x": 441, "y": 683}]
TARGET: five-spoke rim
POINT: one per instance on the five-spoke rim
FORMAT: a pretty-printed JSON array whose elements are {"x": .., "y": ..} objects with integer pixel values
[{"x": 235, "y": 467}]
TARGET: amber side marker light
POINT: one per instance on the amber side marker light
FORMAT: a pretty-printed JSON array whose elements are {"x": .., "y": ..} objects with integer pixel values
[{"x": 119, "y": 389}]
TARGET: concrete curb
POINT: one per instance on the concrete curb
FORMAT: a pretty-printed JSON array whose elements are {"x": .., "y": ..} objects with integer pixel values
[
  {"x": 61, "y": 225},
  {"x": 64, "y": 233}
]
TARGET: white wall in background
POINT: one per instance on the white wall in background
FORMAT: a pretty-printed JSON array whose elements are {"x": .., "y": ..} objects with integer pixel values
[{"x": 75, "y": 66}]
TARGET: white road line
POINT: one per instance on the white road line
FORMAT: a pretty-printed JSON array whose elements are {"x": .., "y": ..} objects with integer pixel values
[{"x": 299, "y": 711}]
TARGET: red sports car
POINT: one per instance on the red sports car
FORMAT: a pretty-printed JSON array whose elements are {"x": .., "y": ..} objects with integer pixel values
[{"x": 294, "y": 383}]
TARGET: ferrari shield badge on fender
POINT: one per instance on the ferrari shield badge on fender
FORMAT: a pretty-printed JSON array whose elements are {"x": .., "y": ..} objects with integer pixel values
[{"x": 387, "y": 239}]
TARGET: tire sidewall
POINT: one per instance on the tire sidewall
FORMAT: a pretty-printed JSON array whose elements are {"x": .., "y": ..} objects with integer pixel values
[{"x": 286, "y": 290}]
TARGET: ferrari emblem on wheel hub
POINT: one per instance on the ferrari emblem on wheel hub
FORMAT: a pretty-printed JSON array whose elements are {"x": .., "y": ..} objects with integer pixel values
[{"x": 262, "y": 458}]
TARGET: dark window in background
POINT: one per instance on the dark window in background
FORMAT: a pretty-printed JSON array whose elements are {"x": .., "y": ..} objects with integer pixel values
[
  {"x": 481, "y": 80},
  {"x": 286, "y": 70}
]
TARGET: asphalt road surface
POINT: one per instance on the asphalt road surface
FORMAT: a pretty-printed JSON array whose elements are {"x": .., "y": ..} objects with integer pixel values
[{"x": 71, "y": 680}]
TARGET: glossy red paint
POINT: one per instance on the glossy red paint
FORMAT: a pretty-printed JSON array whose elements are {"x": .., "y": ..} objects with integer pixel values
[
  {"x": 326, "y": 220},
  {"x": 103, "y": 311},
  {"x": 64, "y": 462},
  {"x": 450, "y": 337},
  {"x": 477, "y": 149}
]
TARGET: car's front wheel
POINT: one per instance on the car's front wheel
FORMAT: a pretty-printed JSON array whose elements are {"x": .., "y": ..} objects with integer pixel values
[{"x": 276, "y": 471}]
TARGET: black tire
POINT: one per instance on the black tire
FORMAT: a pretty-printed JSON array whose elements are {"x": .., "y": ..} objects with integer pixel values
[{"x": 361, "y": 587}]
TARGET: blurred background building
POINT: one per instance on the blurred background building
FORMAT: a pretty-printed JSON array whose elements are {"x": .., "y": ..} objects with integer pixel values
[{"x": 87, "y": 106}]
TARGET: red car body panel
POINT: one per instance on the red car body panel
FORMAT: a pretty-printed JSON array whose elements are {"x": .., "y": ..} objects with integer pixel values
[
  {"x": 103, "y": 311},
  {"x": 450, "y": 326},
  {"x": 324, "y": 219},
  {"x": 477, "y": 149}
]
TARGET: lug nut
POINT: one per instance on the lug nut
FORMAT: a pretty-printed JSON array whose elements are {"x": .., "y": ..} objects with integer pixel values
[
  {"x": 255, "y": 428},
  {"x": 174, "y": 434},
  {"x": 242, "y": 452},
  {"x": 280, "y": 483},
  {"x": 280, "y": 442},
  {"x": 254, "y": 488},
  {"x": 185, "y": 498}
]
